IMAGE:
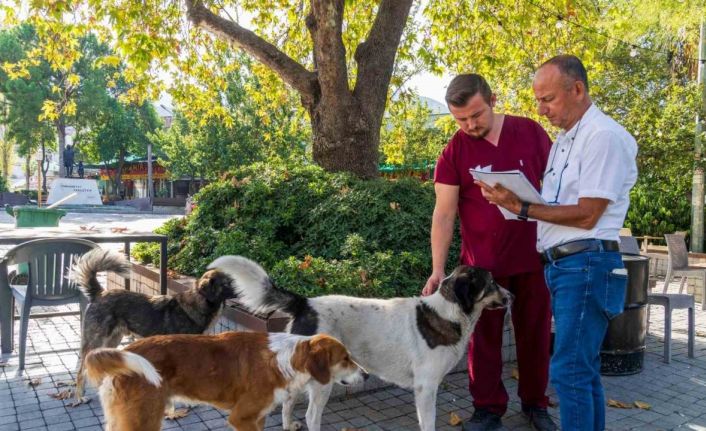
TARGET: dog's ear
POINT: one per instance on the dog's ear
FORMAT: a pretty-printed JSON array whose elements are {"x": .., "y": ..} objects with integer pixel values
[
  {"x": 468, "y": 284},
  {"x": 216, "y": 286},
  {"x": 318, "y": 363},
  {"x": 463, "y": 294}
]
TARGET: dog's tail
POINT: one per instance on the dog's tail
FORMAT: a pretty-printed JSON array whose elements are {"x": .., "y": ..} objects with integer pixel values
[
  {"x": 255, "y": 288},
  {"x": 87, "y": 266},
  {"x": 104, "y": 362}
]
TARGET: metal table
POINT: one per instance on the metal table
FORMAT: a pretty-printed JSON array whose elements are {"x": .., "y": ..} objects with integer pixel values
[{"x": 14, "y": 236}]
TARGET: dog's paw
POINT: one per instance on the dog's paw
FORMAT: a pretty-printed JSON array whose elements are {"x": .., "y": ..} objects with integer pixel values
[
  {"x": 173, "y": 414},
  {"x": 294, "y": 426},
  {"x": 79, "y": 401}
]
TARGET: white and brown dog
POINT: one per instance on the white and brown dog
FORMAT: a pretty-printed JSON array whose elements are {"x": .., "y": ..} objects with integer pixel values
[{"x": 246, "y": 373}]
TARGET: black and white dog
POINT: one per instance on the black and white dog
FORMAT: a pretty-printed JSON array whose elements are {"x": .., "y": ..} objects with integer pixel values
[{"x": 411, "y": 342}]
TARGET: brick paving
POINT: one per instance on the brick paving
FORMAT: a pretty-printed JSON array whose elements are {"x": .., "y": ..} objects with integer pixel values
[{"x": 676, "y": 392}]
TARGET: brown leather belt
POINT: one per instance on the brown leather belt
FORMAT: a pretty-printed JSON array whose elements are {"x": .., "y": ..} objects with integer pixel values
[{"x": 579, "y": 246}]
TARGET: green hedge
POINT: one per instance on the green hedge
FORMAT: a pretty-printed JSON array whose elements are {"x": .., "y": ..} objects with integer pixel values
[
  {"x": 315, "y": 232},
  {"x": 659, "y": 207}
]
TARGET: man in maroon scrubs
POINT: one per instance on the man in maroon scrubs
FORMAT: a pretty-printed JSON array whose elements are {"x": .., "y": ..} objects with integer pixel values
[{"x": 497, "y": 142}]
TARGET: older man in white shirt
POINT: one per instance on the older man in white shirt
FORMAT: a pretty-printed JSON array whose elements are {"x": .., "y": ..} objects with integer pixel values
[{"x": 590, "y": 172}]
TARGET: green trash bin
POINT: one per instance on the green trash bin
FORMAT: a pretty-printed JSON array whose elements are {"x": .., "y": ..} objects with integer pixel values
[{"x": 27, "y": 216}]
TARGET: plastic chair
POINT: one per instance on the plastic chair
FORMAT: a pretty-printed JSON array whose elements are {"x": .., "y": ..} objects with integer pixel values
[
  {"x": 49, "y": 262},
  {"x": 678, "y": 265},
  {"x": 625, "y": 231},
  {"x": 670, "y": 302}
]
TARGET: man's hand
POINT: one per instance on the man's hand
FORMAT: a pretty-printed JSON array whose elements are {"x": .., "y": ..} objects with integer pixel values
[
  {"x": 433, "y": 283},
  {"x": 500, "y": 196}
]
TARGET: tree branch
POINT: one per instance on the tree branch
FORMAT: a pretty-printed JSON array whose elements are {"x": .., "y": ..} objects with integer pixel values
[
  {"x": 326, "y": 25},
  {"x": 289, "y": 70},
  {"x": 376, "y": 56}
]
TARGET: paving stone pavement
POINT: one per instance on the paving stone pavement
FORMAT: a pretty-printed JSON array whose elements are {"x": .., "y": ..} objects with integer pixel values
[{"x": 676, "y": 392}]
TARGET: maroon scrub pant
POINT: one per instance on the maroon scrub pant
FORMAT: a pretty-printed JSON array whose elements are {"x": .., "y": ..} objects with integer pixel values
[{"x": 531, "y": 318}]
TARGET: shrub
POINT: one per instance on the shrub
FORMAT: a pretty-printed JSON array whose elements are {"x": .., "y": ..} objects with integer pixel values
[{"x": 315, "y": 232}]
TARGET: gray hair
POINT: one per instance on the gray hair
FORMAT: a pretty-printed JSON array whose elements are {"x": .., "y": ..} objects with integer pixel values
[{"x": 570, "y": 66}]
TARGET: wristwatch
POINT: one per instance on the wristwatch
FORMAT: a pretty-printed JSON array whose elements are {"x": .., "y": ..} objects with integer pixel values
[{"x": 523, "y": 211}]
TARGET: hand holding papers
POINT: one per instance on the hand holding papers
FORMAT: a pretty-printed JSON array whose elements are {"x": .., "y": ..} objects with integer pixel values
[{"x": 514, "y": 181}]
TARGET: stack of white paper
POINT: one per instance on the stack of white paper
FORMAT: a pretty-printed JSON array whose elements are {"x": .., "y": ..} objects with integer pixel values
[{"x": 514, "y": 181}]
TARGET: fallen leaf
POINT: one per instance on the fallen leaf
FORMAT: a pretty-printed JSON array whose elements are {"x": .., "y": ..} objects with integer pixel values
[
  {"x": 618, "y": 404},
  {"x": 69, "y": 383},
  {"x": 642, "y": 405},
  {"x": 306, "y": 263},
  {"x": 118, "y": 229},
  {"x": 62, "y": 395},
  {"x": 455, "y": 420},
  {"x": 516, "y": 374},
  {"x": 394, "y": 205},
  {"x": 34, "y": 382},
  {"x": 177, "y": 414},
  {"x": 173, "y": 274}
]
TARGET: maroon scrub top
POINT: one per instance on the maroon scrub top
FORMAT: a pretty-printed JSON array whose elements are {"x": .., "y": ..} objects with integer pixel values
[{"x": 504, "y": 247}]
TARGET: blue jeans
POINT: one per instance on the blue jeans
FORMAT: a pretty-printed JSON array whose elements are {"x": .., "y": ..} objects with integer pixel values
[{"x": 586, "y": 294}]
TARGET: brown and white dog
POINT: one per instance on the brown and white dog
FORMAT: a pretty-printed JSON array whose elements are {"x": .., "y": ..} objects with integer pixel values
[{"x": 246, "y": 373}]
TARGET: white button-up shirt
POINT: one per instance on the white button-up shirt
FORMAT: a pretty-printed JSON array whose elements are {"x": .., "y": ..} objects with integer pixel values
[{"x": 595, "y": 159}]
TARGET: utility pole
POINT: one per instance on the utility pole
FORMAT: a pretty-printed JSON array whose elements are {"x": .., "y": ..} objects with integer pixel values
[
  {"x": 39, "y": 181},
  {"x": 697, "y": 185},
  {"x": 150, "y": 187}
]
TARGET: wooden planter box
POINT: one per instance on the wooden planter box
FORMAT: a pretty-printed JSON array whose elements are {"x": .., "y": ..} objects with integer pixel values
[{"x": 145, "y": 279}]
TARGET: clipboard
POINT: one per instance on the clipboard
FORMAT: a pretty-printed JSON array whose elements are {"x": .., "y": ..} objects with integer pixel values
[{"x": 514, "y": 181}]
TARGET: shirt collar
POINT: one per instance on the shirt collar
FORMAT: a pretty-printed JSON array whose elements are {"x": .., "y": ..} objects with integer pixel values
[{"x": 591, "y": 112}]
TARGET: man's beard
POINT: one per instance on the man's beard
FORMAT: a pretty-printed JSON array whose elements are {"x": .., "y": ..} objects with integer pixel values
[{"x": 479, "y": 134}]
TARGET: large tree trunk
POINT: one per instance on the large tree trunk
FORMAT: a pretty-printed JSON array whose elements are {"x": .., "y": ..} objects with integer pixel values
[
  {"x": 345, "y": 140},
  {"x": 345, "y": 122}
]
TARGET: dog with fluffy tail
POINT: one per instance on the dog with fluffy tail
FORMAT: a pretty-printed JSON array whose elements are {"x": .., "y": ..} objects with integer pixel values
[
  {"x": 87, "y": 267},
  {"x": 104, "y": 362},
  {"x": 115, "y": 313}
]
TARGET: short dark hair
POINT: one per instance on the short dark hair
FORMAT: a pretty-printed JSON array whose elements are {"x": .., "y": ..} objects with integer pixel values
[
  {"x": 465, "y": 86},
  {"x": 569, "y": 66}
]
